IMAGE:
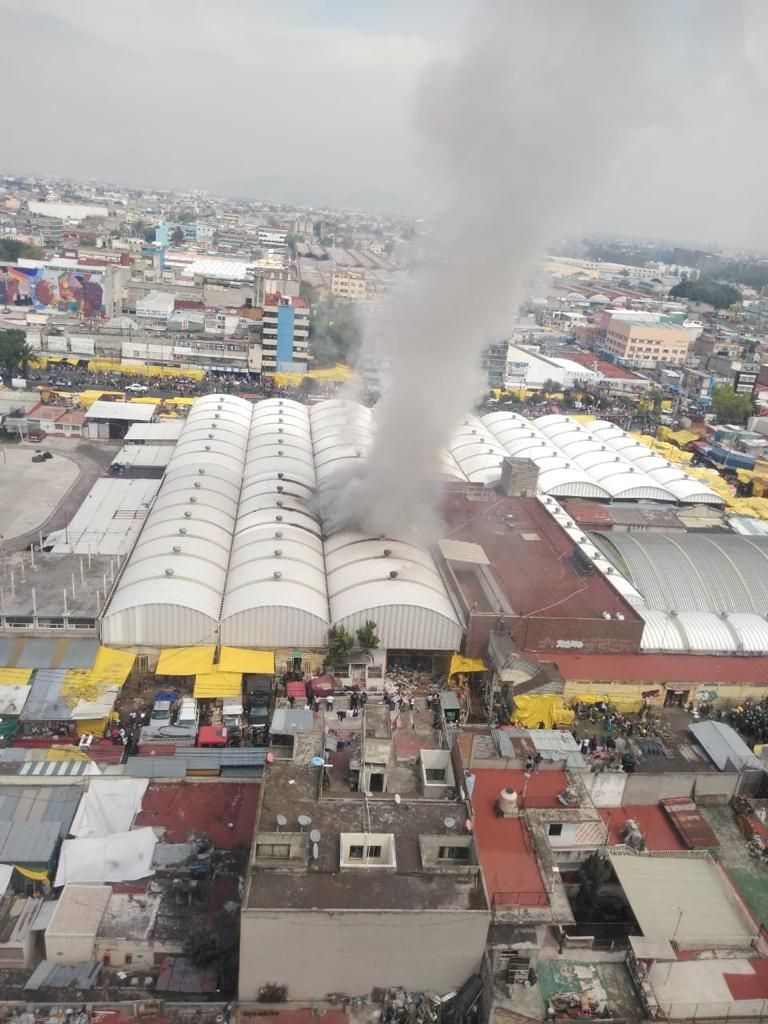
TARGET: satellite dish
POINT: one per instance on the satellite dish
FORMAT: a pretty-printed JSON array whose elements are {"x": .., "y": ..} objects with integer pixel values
[
  {"x": 281, "y": 821},
  {"x": 304, "y": 821},
  {"x": 318, "y": 762},
  {"x": 397, "y": 798},
  {"x": 449, "y": 822},
  {"x": 315, "y": 835}
]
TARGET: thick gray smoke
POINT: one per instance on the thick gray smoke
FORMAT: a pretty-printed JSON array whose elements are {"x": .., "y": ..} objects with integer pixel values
[{"x": 523, "y": 127}]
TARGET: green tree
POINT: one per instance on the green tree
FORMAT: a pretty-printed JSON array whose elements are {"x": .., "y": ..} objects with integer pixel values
[
  {"x": 11, "y": 249},
  {"x": 729, "y": 406},
  {"x": 340, "y": 644},
  {"x": 593, "y": 875},
  {"x": 367, "y": 637},
  {"x": 550, "y": 387},
  {"x": 177, "y": 236},
  {"x": 14, "y": 351},
  {"x": 713, "y": 293},
  {"x": 202, "y": 948}
]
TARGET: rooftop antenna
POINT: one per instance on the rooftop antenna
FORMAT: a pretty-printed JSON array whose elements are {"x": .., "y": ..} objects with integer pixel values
[
  {"x": 282, "y": 821},
  {"x": 304, "y": 821}
]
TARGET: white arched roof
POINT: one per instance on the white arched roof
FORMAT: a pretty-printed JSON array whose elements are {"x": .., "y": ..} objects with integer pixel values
[
  {"x": 600, "y": 460},
  {"x": 171, "y": 589},
  {"x": 411, "y": 608}
]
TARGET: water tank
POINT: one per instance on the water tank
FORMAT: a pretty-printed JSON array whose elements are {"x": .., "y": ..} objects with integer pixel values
[{"x": 508, "y": 803}]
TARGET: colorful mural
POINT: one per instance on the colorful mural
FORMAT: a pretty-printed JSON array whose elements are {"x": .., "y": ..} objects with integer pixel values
[{"x": 49, "y": 288}]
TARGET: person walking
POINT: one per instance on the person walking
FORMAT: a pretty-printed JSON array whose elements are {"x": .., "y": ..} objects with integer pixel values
[
  {"x": 537, "y": 762},
  {"x": 329, "y": 702}
]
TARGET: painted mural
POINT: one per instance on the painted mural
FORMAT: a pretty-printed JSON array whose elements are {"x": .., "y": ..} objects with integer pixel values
[{"x": 49, "y": 288}]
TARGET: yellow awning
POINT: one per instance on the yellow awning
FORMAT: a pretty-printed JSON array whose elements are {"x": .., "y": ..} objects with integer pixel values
[
  {"x": 218, "y": 684},
  {"x": 531, "y": 710},
  {"x": 36, "y": 876},
  {"x": 185, "y": 661},
  {"x": 464, "y": 665},
  {"x": 241, "y": 659},
  {"x": 112, "y": 666},
  {"x": 15, "y": 676}
]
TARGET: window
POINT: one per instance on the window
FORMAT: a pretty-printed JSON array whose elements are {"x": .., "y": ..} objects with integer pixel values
[
  {"x": 435, "y": 774},
  {"x": 453, "y": 853},
  {"x": 275, "y": 851},
  {"x": 374, "y": 852},
  {"x": 356, "y": 852},
  {"x": 555, "y": 830}
]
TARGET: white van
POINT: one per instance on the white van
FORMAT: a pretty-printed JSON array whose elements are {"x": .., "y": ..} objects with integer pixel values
[{"x": 188, "y": 715}]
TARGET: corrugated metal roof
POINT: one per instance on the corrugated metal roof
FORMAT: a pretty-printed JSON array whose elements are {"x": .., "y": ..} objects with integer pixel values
[
  {"x": 44, "y": 703},
  {"x": 37, "y": 654},
  {"x": 40, "y": 803},
  {"x": 155, "y": 768},
  {"x": 7, "y": 649},
  {"x": 79, "y": 654},
  {"x": 48, "y": 974},
  {"x": 291, "y": 720},
  {"x": 126, "y": 412},
  {"x": 28, "y": 842},
  {"x": 723, "y": 745}
]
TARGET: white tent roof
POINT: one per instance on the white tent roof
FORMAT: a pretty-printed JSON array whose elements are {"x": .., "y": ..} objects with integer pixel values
[{"x": 119, "y": 857}]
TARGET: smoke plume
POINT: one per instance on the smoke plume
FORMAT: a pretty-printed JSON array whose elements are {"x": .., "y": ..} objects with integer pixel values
[{"x": 523, "y": 127}]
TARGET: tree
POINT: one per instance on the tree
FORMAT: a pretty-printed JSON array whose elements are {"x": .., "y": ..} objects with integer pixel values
[
  {"x": 366, "y": 636},
  {"x": 340, "y": 644},
  {"x": 202, "y": 948},
  {"x": 177, "y": 236},
  {"x": 713, "y": 293},
  {"x": 550, "y": 387},
  {"x": 595, "y": 872},
  {"x": 729, "y": 406},
  {"x": 14, "y": 351},
  {"x": 11, "y": 249}
]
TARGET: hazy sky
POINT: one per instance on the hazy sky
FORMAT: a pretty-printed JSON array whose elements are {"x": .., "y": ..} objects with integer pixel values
[{"x": 313, "y": 101}]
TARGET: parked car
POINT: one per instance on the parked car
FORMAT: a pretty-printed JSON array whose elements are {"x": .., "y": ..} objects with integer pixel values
[{"x": 138, "y": 389}]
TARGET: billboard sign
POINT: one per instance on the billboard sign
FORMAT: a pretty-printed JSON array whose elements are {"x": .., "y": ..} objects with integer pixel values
[{"x": 50, "y": 289}]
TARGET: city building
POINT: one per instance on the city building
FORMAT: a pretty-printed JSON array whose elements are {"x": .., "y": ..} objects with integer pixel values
[
  {"x": 154, "y": 308},
  {"x": 349, "y": 284},
  {"x": 644, "y": 345},
  {"x": 285, "y": 333}
]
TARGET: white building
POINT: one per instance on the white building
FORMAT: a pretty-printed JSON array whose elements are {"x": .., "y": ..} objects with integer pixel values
[{"x": 154, "y": 308}]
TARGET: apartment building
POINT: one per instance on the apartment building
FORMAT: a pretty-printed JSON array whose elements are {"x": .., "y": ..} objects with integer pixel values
[
  {"x": 646, "y": 344},
  {"x": 285, "y": 333},
  {"x": 349, "y": 284}
]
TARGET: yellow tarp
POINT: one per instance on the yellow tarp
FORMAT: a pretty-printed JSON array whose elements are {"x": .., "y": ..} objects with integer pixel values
[
  {"x": 179, "y": 400},
  {"x": 36, "y": 876},
  {"x": 92, "y": 726},
  {"x": 682, "y": 437},
  {"x": 530, "y": 711},
  {"x": 15, "y": 676},
  {"x": 87, "y": 398},
  {"x": 464, "y": 665},
  {"x": 240, "y": 659},
  {"x": 185, "y": 661},
  {"x": 755, "y": 507},
  {"x": 113, "y": 666},
  {"x": 218, "y": 684},
  {"x": 67, "y": 753},
  {"x": 143, "y": 369}
]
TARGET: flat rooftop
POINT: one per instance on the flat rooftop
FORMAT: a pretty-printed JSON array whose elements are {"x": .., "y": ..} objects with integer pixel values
[
  {"x": 692, "y": 669},
  {"x": 655, "y": 826},
  {"x": 529, "y": 558},
  {"x": 179, "y": 810},
  {"x": 289, "y": 789}
]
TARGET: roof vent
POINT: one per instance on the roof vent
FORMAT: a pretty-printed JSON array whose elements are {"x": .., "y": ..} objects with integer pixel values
[
  {"x": 183, "y": 530},
  {"x": 176, "y": 549},
  {"x": 216, "y": 416},
  {"x": 279, "y": 401},
  {"x": 278, "y": 534},
  {"x": 280, "y": 476},
  {"x": 201, "y": 471},
  {"x": 387, "y": 552},
  {"x": 214, "y": 426},
  {"x": 187, "y": 515},
  {"x": 193, "y": 500},
  {"x": 207, "y": 447},
  {"x": 279, "y": 430},
  {"x": 278, "y": 552},
  {"x": 280, "y": 419},
  {"x": 197, "y": 484},
  {"x": 358, "y": 453},
  {"x": 393, "y": 574},
  {"x": 279, "y": 504},
  {"x": 210, "y": 436},
  {"x": 610, "y": 570},
  {"x": 276, "y": 575},
  {"x": 278, "y": 519},
  {"x": 169, "y": 572},
  {"x": 473, "y": 430},
  {"x": 279, "y": 451}
]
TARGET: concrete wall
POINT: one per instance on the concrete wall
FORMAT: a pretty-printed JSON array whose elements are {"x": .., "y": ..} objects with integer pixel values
[
  {"x": 70, "y": 949},
  {"x": 649, "y": 789},
  {"x": 141, "y": 951},
  {"x": 354, "y": 951}
]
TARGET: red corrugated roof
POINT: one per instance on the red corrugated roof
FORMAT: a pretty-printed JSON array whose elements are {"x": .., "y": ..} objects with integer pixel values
[
  {"x": 593, "y": 362},
  {"x": 662, "y": 668}
]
